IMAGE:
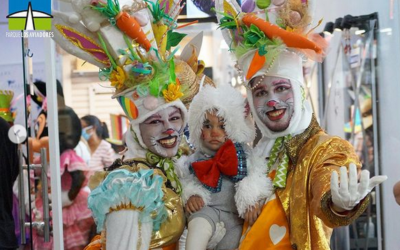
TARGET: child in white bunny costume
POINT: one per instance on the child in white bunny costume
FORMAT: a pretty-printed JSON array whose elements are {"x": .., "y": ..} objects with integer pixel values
[{"x": 221, "y": 180}]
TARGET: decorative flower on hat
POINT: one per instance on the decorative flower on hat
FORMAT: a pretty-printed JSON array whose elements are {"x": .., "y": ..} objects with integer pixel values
[
  {"x": 118, "y": 77},
  {"x": 172, "y": 93}
]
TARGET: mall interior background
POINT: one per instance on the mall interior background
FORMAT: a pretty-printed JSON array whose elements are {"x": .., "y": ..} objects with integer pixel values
[{"x": 84, "y": 92}]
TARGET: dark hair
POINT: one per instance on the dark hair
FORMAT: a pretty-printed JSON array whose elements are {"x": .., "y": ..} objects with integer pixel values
[
  {"x": 105, "y": 133},
  {"x": 101, "y": 127},
  {"x": 70, "y": 128},
  {"x": 41, "y": 86}
]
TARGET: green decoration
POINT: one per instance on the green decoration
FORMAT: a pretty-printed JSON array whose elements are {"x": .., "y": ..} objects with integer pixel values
[
  {"x": 103, "y": 45},
  {"x": 172, "y": 76},
  {"x": 283, "y": 162},
  {"x": 142, "y": 91},
  {"x": 158, "y": 12},
  {"x": 110, "y": 10},
  {"x": 133, "y": 53},
  {"x": 167, "y": 165},
  {"x": 174, "y": 38},
  {"x": 263, "y": 4}
]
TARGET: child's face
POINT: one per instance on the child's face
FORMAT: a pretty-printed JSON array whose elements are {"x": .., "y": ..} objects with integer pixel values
[{"x": 213, "y": 133}]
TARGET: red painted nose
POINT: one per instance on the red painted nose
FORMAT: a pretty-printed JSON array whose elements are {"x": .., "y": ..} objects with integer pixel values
[
  {"x": 169, "y": 131},
  {"x": 271, "y": 103}
]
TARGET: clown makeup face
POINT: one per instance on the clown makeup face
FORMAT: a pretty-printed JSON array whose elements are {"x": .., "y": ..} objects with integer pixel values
[
  {"x": 213, "y": 133},
  {"x": 161, "y": 132},
  {"x": 273, "y": 100}
]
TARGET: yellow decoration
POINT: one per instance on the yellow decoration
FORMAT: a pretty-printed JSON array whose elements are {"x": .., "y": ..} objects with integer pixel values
[
  {"x": 118, "y": 77},
  {"x": 173, "y": 92},
  {"x": 160, "y": 34}
]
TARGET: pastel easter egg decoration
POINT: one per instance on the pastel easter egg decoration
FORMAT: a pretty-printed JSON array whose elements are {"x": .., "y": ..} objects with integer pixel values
[
  {"x": 263, "y": 4},
  {"x": 129, "y": 107},
  {"x": 248, "y": 6},
  {"x": 278, "y": 2},
  {"x": 294, "y": 17},
  {"x": 142, "y": 71},
  {"x": 150, "y": 102},
  {"x": 142, "y": 19}
]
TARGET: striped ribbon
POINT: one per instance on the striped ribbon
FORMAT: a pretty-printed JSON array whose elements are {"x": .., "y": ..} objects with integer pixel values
[{"x": 283, "y": 162}]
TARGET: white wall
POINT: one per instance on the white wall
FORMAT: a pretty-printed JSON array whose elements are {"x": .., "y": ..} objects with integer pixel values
[{"x": 388, "y": 93}]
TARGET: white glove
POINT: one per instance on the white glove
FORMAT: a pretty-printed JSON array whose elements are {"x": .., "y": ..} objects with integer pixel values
[
  {"x": 350, "y": 192},
  {"x": 65, "y": 201}
]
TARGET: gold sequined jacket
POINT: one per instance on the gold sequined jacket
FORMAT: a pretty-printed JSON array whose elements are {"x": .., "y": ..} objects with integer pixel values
[{"x": 314, "y": 155}]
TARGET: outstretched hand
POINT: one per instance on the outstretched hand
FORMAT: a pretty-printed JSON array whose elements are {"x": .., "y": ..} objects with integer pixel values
[{"x": 350, "y": 192}]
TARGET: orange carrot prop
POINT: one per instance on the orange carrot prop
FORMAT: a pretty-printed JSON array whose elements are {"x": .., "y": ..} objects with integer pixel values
[
  {"x": 272, "y": 31},
  {"x": 256, "y": 64},
  {"x": 125, "y": 22},
  {"x": 128, "y": 24}
]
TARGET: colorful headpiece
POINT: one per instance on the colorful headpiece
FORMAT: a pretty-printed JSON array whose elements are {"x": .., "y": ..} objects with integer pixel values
[
  {"x": 5, "y": 103},
  {"x": 271, "y": 38},
  {"x": 259, "y": 31},
  {"x": 131, "y": 42}
]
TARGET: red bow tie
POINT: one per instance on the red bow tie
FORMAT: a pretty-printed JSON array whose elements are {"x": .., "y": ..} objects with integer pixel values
[{"x": 225, "y": 161}]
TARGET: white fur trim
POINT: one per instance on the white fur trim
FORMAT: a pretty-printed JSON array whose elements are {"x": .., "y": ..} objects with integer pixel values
[
  {"x": 230, "y": 105},
  {"x": 182, "y": 167},
  {"x": 191, "y": 186},
  {"x": 255, "y": 186}
]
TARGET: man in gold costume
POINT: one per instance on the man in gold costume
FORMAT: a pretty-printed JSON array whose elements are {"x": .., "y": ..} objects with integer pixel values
[{"x": 303, "y": 161}]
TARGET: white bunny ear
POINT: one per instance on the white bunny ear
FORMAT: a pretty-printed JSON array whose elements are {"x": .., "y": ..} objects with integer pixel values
[
  {"x": 195, "y": 43},
  {"x": 77, "y": 40},
  {"x": 230, "y": 7}
]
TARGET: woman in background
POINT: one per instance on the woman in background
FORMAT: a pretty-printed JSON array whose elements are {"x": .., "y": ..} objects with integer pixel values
[
  {"x": 77, "y": 218},
  {"x": 95, "y": 133}
]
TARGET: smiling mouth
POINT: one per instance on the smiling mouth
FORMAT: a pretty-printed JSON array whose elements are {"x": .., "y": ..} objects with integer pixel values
[
  {"x": 276, "y": 114},
  {"x": 169, "y": 142}
]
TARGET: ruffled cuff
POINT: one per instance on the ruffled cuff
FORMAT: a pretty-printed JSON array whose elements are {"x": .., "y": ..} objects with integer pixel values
[
  {"x": 342, "y": 219},
  {"x": 122, "y": 189}
]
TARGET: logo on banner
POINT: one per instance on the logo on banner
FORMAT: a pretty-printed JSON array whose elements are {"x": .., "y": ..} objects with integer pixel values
[{"x": 29, "y": 15}]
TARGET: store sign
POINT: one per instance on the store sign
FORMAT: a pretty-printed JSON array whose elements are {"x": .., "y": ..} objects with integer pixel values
[{"x": 29, "y": 15}]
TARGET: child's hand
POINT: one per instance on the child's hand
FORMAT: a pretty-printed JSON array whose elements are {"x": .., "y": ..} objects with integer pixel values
[
  {"x": 194, "y": 204},
  {"x": 252, "y": 214}
]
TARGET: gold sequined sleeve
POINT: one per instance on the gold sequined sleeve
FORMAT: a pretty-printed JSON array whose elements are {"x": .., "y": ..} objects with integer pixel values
[{"x": 329, "y": 156}]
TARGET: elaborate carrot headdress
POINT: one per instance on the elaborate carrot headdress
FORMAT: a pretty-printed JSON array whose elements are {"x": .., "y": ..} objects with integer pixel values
[
  {"x": 133, "y": 42},
  {"x": 258, "y": 31},
  {"x": 272, "y": 38}
]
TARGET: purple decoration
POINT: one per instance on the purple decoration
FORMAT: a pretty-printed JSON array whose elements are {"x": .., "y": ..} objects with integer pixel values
[
  {"x": 248, "y": 6},
  {"x": 86, "y": 45}
]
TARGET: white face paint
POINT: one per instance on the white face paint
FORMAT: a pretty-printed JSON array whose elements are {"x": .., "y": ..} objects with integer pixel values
[
  {"x": 161, "y": 132},
  {"x": 273, "y": 100},
  {"x": 213, "y": 132}
]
